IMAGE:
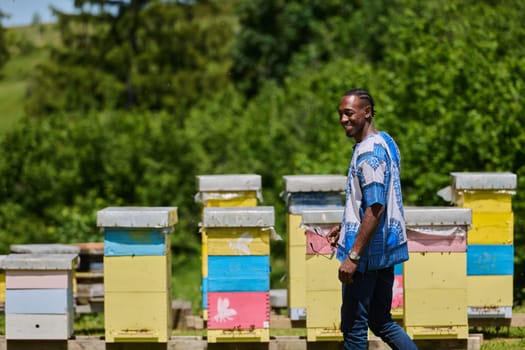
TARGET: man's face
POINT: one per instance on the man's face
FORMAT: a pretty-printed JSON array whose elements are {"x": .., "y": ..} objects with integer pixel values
[{"x": 353, "y": 114}]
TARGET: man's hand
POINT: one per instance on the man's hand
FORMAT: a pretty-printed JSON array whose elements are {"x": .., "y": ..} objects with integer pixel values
[
  {"x": 333, "y": 235},
  {"x": 346, "y": 271}
]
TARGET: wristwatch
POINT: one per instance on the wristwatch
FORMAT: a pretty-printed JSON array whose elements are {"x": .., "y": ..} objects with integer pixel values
[{"x": 353, "y": 256}]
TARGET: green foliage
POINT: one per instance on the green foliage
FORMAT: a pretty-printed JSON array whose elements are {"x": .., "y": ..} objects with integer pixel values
[
  {"x": 447, "y": 78},
  {"x": 57, "y": 172},
  {"x": 457, "y": 89},
  {"x": 138, "y": 55},
  {"x": 273, "y": 31},
  {"x": 91, "y": 324}
]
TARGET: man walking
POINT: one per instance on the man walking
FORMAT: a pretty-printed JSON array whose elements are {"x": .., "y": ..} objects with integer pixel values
[{"x": 371, "y": 238}]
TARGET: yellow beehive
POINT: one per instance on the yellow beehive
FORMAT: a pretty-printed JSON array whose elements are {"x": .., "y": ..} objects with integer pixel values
[
  {"x": 238, "y": 241},
  {"x": 491, "y": 228},
  {"x": 137, "y": 317},
  {"x": 435, "y": 276},
  {"x": 490, "y": 269},
  {"x": 304, "y": 192},
  {"x": 323, "y": 288},
  {"x": 485, "y": 201},
  {"x": 488, "y": 290},
  {"x": 435, "y": 295},
  {"x": 137, "y": 273}
]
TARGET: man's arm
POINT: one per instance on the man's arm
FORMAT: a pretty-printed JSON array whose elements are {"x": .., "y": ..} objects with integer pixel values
[{"x": 367, "y": 229}]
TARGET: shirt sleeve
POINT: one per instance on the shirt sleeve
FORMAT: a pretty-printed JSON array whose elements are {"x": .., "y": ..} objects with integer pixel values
[{"x": 372, "y": 176}]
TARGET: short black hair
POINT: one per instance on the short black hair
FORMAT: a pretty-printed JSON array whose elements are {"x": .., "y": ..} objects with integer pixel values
[{"x": 363, "y": 95}]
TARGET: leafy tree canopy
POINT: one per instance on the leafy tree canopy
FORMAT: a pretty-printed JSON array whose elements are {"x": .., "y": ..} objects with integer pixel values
[{"x": 145, "y": 55}]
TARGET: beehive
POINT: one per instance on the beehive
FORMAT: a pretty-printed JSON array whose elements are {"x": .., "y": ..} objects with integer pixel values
[
  {"x": 238, "y": 281},
  {"x": 302, "y": 192},
  {"x": 223, "y": 190},
  {"x": 490, "y": 251},
  {"x": 39, "y": 296},
  {"x": 323, "y": 289},
  {"x": 137, "y": 273},
  {"x": 435, "y": 278}
]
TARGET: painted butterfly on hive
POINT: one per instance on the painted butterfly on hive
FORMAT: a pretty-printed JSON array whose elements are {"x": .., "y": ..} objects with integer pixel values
[
  {"x": 224, "y": 312},
  {"x": 242, "y": 244}
]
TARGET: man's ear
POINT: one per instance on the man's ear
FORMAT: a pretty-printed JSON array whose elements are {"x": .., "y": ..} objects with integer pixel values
[{"x": 368, "y": 111}]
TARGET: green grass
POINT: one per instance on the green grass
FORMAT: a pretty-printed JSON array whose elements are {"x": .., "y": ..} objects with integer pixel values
[
  {"x": 503, "y": 344},
  {"x": 11, "y": 103},
  {"x": 504, "y": 338},
  {"x": 27, "y": 48}
]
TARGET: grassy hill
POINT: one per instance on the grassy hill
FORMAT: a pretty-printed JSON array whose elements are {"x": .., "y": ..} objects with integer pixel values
[{"x": 27, "y": 48}]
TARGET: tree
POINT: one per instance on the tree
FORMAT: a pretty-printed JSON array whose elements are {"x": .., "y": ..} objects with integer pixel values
[
  {"x": 281, "y": 38},
  {"x": 36, "y": 20},
  {"x": 56, "y": 172},
  {"x": 139, "y": 54}
]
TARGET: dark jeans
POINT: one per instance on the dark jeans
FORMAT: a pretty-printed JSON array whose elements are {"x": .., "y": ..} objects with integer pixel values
[{"x": 366, "y": 303}]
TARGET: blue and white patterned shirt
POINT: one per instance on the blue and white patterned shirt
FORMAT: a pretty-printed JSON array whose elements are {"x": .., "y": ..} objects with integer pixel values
[{"x": 373, "y": 177}]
